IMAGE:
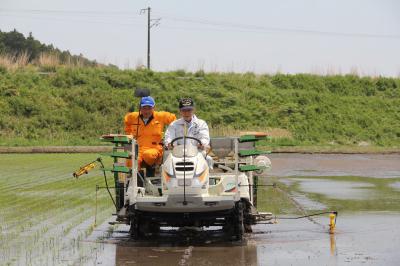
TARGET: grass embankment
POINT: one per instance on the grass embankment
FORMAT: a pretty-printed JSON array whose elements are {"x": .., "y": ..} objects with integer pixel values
[
  {"x": 40, "y": 203},
  {"x": 73, "y": 106}
]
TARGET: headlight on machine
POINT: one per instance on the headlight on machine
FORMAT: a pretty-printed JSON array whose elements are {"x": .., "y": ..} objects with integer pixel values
[
  {"x": 202, "y": 176},
  {"x": 167, "y": 177}
]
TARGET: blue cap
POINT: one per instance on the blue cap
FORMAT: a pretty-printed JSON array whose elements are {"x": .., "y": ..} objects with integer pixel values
[{"x": 147, "y": 101}]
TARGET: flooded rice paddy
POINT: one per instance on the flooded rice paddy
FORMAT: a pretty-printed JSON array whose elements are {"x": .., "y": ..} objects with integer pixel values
[{"x": 47, "y": 217}]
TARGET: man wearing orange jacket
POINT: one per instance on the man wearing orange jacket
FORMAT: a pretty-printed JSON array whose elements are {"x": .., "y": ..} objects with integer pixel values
[{"x": 147, "y": 128}]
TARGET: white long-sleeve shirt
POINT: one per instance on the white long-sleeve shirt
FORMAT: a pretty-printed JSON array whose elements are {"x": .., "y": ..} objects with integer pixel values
[{"x": 196, "y": 128}]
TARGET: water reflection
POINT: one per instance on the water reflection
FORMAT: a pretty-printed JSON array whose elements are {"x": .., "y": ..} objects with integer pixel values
[
  {"x": 332, "y": 239},
  {"x": 203, "y": 248}
]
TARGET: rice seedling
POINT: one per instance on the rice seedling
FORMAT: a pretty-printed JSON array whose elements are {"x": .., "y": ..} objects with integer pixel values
[{"x": 44, "y": 211}]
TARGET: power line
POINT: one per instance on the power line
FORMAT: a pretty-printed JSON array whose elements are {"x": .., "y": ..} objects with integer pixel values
[
  {"x": 128, "y": 24},
  {"x": 76, "y": 20},
  {"x": 214, "y": 25},
  {"x": 66, "y": 11},
  {"x": 279, "y": 29}
]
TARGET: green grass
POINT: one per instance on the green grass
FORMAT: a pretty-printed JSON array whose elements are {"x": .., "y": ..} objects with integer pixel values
[
  {"x": 40, "y": 203},
  {"x": 74, "y": 106}
]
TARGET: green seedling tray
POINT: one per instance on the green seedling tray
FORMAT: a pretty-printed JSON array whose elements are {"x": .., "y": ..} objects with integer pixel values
[
  {"x": 244, "y": 153},
  {"x": 248, "y": 138},
  {"x": 126, "y": 155},
  {"x": 119, "y": 169},
  {"x": 248, "y": 168},
  {"x": 116, "y": 139},
  {"x": 252, "y": 138}
]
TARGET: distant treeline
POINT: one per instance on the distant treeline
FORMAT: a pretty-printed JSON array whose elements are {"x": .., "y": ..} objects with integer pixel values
[{"x": 15, "y": 44}]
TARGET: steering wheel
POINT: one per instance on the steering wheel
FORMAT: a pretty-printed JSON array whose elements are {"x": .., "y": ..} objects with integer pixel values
[{"x": 178, "y": 138}]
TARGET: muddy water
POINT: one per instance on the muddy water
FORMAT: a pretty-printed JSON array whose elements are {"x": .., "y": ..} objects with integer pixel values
[
  {"x": 361, "y": 238},
  {"x": 380, "y": 166},
  {"x": 336, "y": 189}
]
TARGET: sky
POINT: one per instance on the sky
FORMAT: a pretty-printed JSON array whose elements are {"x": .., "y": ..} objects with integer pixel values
[{"x": 262, "y": 36}]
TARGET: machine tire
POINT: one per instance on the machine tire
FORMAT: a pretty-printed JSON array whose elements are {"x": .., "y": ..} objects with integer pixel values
[
  {"x": 135, "y": 230},
  {"x": 248, "y": 219},
  {"x": 234, "y": 223},
  {"x": 154, "y": 228},
  {"x": 239, "y": 221},
  {"x": 139, "y": 230},
  {"x": 228, "y": 228}
]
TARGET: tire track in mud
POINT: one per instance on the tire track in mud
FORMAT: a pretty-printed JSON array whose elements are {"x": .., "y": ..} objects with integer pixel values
[{"x": 187, "y": 254}]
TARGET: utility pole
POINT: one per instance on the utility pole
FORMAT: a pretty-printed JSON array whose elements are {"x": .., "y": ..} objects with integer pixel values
[
  {"x": 149, "y": 26},
  {"x": 148, "y": 37}
]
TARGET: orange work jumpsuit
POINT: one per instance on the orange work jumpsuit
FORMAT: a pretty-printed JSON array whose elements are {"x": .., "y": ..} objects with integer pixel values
[{"x": 149, "y": 136}]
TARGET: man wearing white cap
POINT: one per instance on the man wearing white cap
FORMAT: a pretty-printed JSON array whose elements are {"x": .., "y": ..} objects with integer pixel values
[{"x": 190, "y": 126}]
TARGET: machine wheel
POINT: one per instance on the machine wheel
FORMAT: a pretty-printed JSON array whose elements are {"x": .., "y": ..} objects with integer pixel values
[
  {"x": 239, "y": 221},
  {"x": 135, "y": 230},
  {"x": 247, "y": 215},
  {"x": 234, "y": 224},
  {"x": 139, "y": 229},
  {"x": 154, "y": 228}
]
